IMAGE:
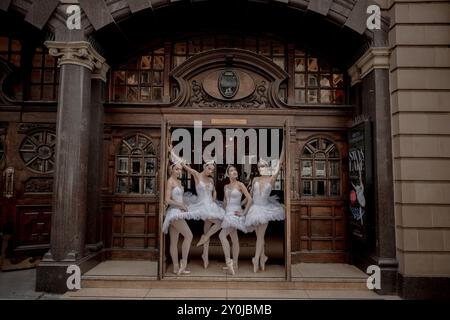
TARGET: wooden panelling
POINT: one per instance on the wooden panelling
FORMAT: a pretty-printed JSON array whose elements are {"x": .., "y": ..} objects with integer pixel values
[
  {"x": 133, "y": 224},
  {"x": 33, "y": 224},
  {"x": 134, "y": 208},
  {"x": 317, "y": 233}
]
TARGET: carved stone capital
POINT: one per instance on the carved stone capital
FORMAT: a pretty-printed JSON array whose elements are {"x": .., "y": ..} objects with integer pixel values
[
  {"x": 355, "y": 75},
  {"x": 101, "y": 73},
  {"x": 374, "y": 58},
  {"x": 79, "y": 53}
]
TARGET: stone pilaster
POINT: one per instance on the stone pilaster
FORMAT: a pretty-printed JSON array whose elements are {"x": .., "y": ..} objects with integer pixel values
[{"x": 371, "y": 74}]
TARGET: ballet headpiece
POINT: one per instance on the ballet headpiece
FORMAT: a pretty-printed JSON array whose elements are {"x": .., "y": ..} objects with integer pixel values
[
  {"x": 263, "y": 163},
  {"x": 228, "y": 168},
  {"x": 178, "y": 161},
  {"x": 209, "y": 162}
]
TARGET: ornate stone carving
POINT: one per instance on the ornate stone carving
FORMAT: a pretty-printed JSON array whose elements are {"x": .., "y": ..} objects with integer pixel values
[
  {"x": 259, "y": 98},
  {"x": 79, "y": 53},
  {"x": 228, "y": 84},
  {"x": 39, "y": 185}
]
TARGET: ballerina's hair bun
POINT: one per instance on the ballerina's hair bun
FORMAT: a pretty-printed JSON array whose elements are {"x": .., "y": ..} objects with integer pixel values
[{"x": 209, "y": 162}]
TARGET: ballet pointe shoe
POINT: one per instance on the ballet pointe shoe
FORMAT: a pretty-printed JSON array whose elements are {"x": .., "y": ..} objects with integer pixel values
[
  {"x": 262, "y": 262},
  {"x": 202, "y": 241},
  {"x": 182, "y": 269},
  {"x": 176, "y": 267},
  {"x": 255, "y": 264},
  {"x": 205, "y": 261},
  {"x": 230, "y": 266}
]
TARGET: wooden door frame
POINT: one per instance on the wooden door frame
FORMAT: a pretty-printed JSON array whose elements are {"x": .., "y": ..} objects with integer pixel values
[{"x": 167, "y": 124}]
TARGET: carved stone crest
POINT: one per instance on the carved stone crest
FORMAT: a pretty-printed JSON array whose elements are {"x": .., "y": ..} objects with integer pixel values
[{"x": 228, "y": 84}]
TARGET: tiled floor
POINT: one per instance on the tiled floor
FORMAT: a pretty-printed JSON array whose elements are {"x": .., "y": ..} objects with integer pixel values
[
  {"x": 231, "y": 294},
  {"x": 117, "y": 268},
  {"x": 216, "y": 271},
  {"x": 327, "y": 270},
  {"x": 20, "y": 284}
]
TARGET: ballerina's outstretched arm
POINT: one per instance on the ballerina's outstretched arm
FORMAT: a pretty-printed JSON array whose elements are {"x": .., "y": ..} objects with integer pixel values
[{"x": 279, "y": 165}]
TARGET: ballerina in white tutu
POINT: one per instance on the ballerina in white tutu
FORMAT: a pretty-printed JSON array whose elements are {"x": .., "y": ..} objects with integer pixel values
[
  {"x": 175, "y": 219},
  {"x": 204, "y": 205},
  {"x": 234, "y": 217},
  {"x": 265, "y": 208}
]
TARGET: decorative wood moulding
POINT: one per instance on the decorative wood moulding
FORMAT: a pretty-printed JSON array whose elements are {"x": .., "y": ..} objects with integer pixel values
[
  {"x": 236, "y": 79},
  {"x": 374, "y": 58},
  {"x": 28, "y": 127},
  {"x": 79, "y": 53},
  {"x": 39, "y": 185}
]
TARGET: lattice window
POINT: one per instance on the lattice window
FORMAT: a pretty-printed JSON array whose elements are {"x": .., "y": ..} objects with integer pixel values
[
  {"x": 141, "y": 80},
  {"x": 274, "y": 50},
  {"x": 38, "y": 151},
  {"x": 11, "y": 52},
  {"x": 136, "y": 166},
  {"x": 44, "y": 76},
  {"x": 315, "y": 81},
  {"x": 320, "y": 167}
]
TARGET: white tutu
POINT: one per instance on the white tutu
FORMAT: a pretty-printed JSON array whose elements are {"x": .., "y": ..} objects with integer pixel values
[
  {"x": 175, "y": 213},
  {"x": 265, "y": 208},
  {"x": 203, "y": 209},
  {"x": 203, "y": 206}
]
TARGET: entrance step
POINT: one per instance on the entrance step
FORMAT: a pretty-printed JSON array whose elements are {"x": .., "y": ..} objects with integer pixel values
[{"x": 144, "y": 275}]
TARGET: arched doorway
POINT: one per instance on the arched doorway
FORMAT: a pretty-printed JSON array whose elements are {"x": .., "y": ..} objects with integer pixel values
[{"x": 316, "y": 104}]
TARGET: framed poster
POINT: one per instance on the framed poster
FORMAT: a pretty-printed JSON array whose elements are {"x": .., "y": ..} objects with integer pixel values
[{"x": 360, "y": 179}]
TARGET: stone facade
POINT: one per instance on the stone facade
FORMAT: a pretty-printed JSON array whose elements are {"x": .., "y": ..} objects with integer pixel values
[{"x": 420, "y": 95}]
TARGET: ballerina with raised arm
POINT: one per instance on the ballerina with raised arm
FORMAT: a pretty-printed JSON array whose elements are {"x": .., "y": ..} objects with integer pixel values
[
  {"x": 205, "y": 205},
  {"x": 234, "y": 217},
  {"x": 175, "y": 219},
  {"x": 265, "y": 208}
]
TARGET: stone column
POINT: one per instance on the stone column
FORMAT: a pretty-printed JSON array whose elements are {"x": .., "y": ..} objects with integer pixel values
[
  {"x": 68, "y": 235},
  {"x": 371, "y": 73}
]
